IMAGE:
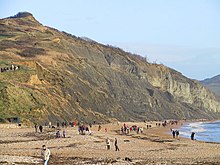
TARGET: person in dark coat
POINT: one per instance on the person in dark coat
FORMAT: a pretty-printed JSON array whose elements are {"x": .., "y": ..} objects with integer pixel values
[
  {"x": 177, "y": 133},
  {"x": 41, "y": 128},
  {"x": 192, "y": 135},
  {"x": 174, "y": 133},
  {"x": 116, "y": 145}
]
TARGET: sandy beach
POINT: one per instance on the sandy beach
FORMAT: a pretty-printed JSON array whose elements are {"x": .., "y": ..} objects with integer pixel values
[{"x": 22, "y": 145}]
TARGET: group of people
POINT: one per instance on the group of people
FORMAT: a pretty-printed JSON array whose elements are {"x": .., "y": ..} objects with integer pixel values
[
  {"x": 108, "y": 144},
  {"x": 10, "y": 68},
  {"x": 125, "y": 129},
  {"x": 45, "y": 153},
  {"x": 175, "y": 133},
  {"x": 40, "y": 127},
  {"x": 83, "y": 129},
  {"x": 58, "y": 133}
]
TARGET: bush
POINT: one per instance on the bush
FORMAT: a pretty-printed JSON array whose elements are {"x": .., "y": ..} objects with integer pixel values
[{"x": 32, "y": 52}]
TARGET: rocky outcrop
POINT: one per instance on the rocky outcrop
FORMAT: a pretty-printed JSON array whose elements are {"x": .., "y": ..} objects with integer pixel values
[{"x": 185, "y": 90}]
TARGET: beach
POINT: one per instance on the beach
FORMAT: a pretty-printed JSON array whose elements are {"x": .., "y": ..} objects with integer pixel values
[{"x": 22, "y": 145}]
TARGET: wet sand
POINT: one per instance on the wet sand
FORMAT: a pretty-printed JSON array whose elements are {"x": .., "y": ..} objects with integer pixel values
[{"x": 153, "y": 146}]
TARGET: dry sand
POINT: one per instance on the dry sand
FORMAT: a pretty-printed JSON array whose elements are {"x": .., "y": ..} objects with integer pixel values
[{"x": 153, "y": 146}]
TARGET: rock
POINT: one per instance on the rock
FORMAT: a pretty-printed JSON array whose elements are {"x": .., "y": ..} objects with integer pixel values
[{"x": 128, "y": 159}]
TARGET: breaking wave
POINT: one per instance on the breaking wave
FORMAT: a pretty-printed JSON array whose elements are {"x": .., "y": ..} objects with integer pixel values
[{"x": 204, "y": 131}]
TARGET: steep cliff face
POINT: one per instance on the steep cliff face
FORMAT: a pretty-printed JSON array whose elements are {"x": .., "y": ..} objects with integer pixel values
[
  {"x": 185, "y": 90},
  {"x": 62, "y": 77}
]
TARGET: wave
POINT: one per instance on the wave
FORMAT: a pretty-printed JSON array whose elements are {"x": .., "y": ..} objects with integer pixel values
[
  {"x": 194, "y": 127},
  {"x": 197, "y": 124},
  {"x": 205, "y": 131},
  {"x": 198, "y": 129}
]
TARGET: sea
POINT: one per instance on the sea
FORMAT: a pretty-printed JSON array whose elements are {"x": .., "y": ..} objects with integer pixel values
[{"x": 204, "y": 131}]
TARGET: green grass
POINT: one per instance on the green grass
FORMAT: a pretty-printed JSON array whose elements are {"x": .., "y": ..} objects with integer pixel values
[
  {"x": 3, "y": 100},
  {"x": 3, "y": 63},
  {"x": 16, "y": 100},
  {"x": 4, "y": 36},
  {"x": 22, "y": 102},
  {"x": 22, "y": 75}
]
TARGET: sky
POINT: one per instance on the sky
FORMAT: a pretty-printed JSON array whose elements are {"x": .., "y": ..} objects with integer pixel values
[{"x": 181, "y": 34}]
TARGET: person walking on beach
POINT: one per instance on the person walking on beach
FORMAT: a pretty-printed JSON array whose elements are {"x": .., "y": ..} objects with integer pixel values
[
  {"x": 99, "y": 128},
  {"x": 108, "y": 143},
  {"x": 116, "y": 145},
  {"x": 41, "y": 128},
  {"x": 192, "y": 135},
  {"x": 35, "y": 126},
  {"x": 45, "y": 154},
  {"x": 174, "y": 133},
  {"x": 64, "y": 132},
  {"x": 58, "y": 134},
  {"x": 177, "y": 133}
]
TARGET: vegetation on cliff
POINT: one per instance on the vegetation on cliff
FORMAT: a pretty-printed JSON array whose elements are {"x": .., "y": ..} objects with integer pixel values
[{"x": 63, "y": 77}]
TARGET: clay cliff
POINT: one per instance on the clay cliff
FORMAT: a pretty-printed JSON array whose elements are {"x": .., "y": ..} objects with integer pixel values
[{"x": 59, "y": 77}]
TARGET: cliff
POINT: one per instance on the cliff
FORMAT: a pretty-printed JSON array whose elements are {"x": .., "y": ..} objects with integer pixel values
[{"x": 62, "y": 77}]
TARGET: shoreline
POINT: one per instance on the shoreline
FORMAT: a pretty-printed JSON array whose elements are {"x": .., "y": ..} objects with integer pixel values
[{"x": 200, "y": 122}]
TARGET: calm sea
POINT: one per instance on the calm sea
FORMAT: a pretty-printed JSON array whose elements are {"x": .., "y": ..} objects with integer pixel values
[{"x": 205, "y": 131}]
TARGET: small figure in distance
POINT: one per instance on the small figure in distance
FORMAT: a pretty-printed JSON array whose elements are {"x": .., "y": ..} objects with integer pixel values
[
  {"x": 58, "y": 134},
  {"x": 35, "y": 126},
  {"x": 116, "y": 145},
  {"x": 177, "y": 133},
  {"x": 99, "y": 128},
  {"x": 108, "y": 143},
  {"x": 64, "y": 132},
  {"x": 192, "y": 135},
  {"x": 41, "y": 128},
  {"x": 174, "y": 133}
]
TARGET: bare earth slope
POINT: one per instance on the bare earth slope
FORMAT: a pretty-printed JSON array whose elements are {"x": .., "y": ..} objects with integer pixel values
[{"x": 61, "y": 76}]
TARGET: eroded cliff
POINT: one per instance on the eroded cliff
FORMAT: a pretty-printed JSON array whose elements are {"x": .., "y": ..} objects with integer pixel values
[{"x": 63, "y": 77}]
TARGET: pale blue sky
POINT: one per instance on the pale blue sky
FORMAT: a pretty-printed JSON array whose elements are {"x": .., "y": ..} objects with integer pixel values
[{"x": 182, "y": 34}]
